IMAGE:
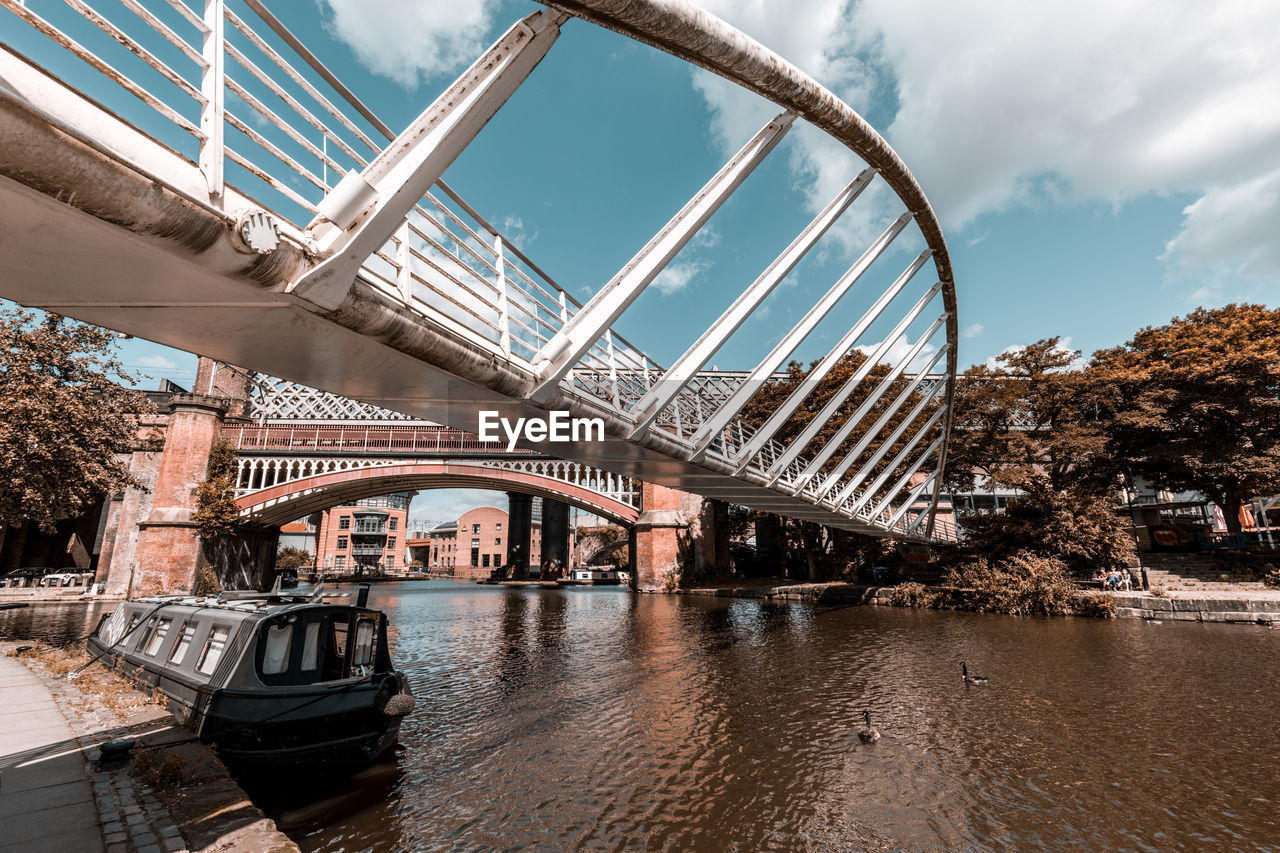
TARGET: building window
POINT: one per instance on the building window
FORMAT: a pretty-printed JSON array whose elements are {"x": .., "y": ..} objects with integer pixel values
[
  {"x": 485, "y": 564},
  {"x": 497, "y": 540},
  {"x": 475, "y": 528},
  {"x": 393, "y": 523},
  {"x": 344, "y": 522},
  {"x": 391, "y": 542},
  {"x": 498, "y": 526},
  {"x": 391, "y": 561},
  {"x": 340, "y": 562},
  {"x": 342, "y": 543}
]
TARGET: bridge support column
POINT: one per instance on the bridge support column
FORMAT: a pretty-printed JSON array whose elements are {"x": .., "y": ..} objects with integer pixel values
[
  {"x": 519, "y": 533},
  {"x": 168, "y": 555},
  {"x": 675, "y": 540},
  {"x": 555, "y": 539}
]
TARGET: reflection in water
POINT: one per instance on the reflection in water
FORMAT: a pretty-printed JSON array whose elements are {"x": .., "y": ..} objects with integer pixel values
[
  {"x": 55, "y": 622},
  {"x": 600, "y": 720}
]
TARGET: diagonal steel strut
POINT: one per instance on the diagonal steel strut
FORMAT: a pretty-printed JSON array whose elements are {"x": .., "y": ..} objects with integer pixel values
[
  {"x": 865, "y": 470},
  {"x": 833, "y": 444},
  {"x": 867, "y": 437},
  {"x": 678, "y": 375},
  {"x": 562, "y": 352},
  {"x": 784, "y": 412},
  {"x": 712, "y": 427},
  {"x": 364, "y": 210}
]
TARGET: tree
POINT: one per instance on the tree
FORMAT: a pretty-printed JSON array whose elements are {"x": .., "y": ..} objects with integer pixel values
[
  {"x": 1033, "y": 423},
  {"x": 1195, "y": 404},
  {"x": 216, "y": 516},
  {"x": 293, "y": 558},
  {"x": 64, "y": 418}
]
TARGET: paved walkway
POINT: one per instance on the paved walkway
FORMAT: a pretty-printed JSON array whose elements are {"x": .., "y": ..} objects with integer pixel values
[{"x": 46, "y": 801}]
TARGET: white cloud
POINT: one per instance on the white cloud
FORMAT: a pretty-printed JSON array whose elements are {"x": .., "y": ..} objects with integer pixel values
[
  {"x": 1002, "y": 104},
  {"x": 972, "y": 330},
  {"x": 1064, "y": 346},
  {"x": 1233, "y": 225},
  {"x": 898, "y": 350},
  {"x": 514, "y": 231},
  {"x": 677, "y": 275},
  {"x": 156, "y": 362},
  {"x": 412, "y": 42}
]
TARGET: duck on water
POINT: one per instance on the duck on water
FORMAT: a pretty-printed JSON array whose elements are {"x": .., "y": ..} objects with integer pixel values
[{"x": 278, "y": 679}]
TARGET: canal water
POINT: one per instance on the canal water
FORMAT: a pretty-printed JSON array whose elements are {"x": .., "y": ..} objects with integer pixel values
[{"x": 593, "y": 719}]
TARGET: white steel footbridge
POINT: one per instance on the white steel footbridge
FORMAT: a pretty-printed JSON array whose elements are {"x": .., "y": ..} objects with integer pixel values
[{"x": 188, "y": 171}]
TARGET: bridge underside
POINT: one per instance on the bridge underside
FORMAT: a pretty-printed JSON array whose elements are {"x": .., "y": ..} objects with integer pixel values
[
  {"x": 104, "y": 223},
  {"x": 289, "y": 501},
  {"x": 61, "y": 258}
]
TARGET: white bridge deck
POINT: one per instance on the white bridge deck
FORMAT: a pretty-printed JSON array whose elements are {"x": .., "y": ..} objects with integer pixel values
[{"x": 215, "y": 223}]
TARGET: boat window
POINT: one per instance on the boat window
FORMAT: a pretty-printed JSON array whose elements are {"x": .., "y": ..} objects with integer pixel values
[
  {"x": 362, "y": 659},
  {"x": 157, "y": 636},
  {"x": 275, "y": 657},
  {"x": 142, "y": 637},
  {"x": 184, "y": 642},
  {"x": 310, "y": 648},
  {"x": 127, "y": 632},
  {"x": 113, "y": 628},
  {"x": 213, "y": 647},
  {"x": 335, "y": 654}
]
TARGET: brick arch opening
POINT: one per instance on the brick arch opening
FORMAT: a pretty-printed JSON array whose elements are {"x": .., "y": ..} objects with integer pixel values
[{"x": 286, "y": 502}]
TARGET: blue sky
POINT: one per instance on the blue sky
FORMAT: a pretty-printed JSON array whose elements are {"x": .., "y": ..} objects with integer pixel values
[{"x": 1097, "y": 166}]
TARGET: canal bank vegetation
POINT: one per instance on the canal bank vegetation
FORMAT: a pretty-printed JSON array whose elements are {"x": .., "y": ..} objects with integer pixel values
[
  {"x": 97, "y": 688},
  {"x": 1025, "y": 584}
]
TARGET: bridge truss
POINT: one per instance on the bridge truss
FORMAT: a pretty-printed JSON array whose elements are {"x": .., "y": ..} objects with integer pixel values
[{"x": 283, "y": 191}]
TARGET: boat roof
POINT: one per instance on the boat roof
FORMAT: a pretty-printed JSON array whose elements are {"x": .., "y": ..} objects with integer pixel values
[{"x": 249, "y": 602}]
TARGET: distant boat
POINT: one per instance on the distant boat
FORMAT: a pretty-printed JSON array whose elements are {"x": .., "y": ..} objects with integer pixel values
[
  {"x": 595, "y": 576},
  {"x": 272, "y": 679}
]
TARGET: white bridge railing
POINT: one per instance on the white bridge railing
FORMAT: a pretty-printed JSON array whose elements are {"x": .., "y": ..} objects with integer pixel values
[
  {"x": 226, "y": 85},
  {"x": 257, "y": 473}
]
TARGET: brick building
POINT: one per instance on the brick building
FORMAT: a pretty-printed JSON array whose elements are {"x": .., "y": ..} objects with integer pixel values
[
  {"x": 472, "y": 546},
  {"x": 367, "y": 537}
]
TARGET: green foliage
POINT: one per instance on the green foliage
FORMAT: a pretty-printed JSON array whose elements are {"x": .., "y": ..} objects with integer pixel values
[
  {"x": 1096, "y": 605},
  {"x": 1036, "y": 424},
  {"x": 913, "y": 594},
  {"x": 216, "y": 515},
  {"x": 1031, "y": 423},
  {"x": 1082, "y": 529},
  {"x": 293, "y": 558},
  {"x": 1025, "y": 583},
  {"x": 1195, "y": 404},
  {"x": 64, "y": 418}
]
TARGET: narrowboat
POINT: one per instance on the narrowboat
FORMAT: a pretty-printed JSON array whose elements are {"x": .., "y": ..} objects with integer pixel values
[
  {"x": 273, "y": 680},
  {"x": 594, "y": 576}
]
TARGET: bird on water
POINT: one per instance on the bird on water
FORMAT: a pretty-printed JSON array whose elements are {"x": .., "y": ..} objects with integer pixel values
[
  {"x": 971, "y": 679},
  {"x": 867, "y": 734}
]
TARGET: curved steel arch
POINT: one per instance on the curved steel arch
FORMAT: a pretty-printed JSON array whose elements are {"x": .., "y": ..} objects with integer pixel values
[
  {"x": 298, "y": 498},
  {"x": 683, "y": 30},
  {"x": 353, "y": 310}
]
